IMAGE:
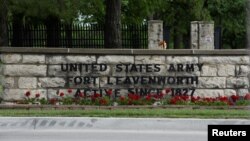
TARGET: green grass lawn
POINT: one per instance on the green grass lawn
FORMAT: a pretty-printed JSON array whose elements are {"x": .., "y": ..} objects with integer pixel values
[{"x": 151, "y": 113}]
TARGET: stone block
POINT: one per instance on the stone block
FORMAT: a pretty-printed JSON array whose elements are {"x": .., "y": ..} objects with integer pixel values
[
  {"x": 212, "y": 82},
  {"x": 242, "y": 92},
  {"x": 53, "y": 93},
  {"x": 209, "y": 92},
  {"x": 181, "y": 60},
  {"x": 56, "y": 59},
  {"x": 11, "y": 58},
  {"x": 226, "y": 70},
  {"x": 9, "y": 82},
  {"x": 209, "y": 70},
  {"x": 116, "y": 59},
  {"x": 33, "y": 59},
  {"x": 51, "y": 82},
  {"x": 229, "y": 92},
  {"x": 81, "y": 59},
  {"x": 233, "y": 60},
  {"x": 55, "y": 70},
  {"x": 19, "y": 94},
  {"x": 25, "y": 70},
  {"x": 242, "y": 70},
  {"x": 150, "y": 59},
  {"x": 27, "y": 82},
  {"x": 239, "y": 82}
]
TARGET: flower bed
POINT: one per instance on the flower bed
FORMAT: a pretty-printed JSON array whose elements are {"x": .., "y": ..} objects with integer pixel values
[{"x": 161, "y": 99}]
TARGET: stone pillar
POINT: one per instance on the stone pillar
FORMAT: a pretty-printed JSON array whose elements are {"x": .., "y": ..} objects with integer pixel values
[
  {"x": 202, "y": 35},
  {"x": 155, "y": 34}
]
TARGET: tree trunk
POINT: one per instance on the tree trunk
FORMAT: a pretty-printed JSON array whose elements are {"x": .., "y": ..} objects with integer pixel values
[
  {"x": 3, "y": 23},
  {"x": 17, "y": 25},
  {"x": 177, "y": 39},
  {"x": 112, "y": 31},
  {"x": 53, "y": 31}
]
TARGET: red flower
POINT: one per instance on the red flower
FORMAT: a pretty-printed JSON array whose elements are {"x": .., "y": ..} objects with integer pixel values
[
  {"x": 133, "y": 96},
  {"x": 61, "y": 94},
  {"x": 156, "y": 96},
  {"x": 167, "y": 90},
  {"x": 70, "y": 91},
  {"x": 184, "y": 97},
  {"x": 161, "y": 95},
  {"x": 194, "y": 99},
  {"x": 177, "y": 98},
  {"x": 81, "y": 95},
  {"x": 209, "y": 99},
  {"x": 103, "y": 102},
  {"x": 96, "y": 95},
  {"x": 27, "y": 94},
  {"x": 247, "y": 96},
  {"x": 130, "y": 95},
  {"x": 173, "y": 101},
  {"x": 109, "y": 92},
  {"x": 37, "y": 95},
  {"x": 53, "y": 101},
  {"x": 148, "y": 97},
  {"x": 235, "y": 98},
  {"x": 223, "y": 99},
  {"x": 122, "y": 98}
]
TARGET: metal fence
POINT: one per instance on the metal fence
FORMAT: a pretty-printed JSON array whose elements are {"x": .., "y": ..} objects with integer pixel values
[
  {"x": 88, "y": 36},
  {"x": 74, "y": 36}
]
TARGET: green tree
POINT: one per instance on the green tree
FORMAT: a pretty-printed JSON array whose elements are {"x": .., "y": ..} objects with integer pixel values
[
  {"x": 95, "y": 11},
  {"x": 177, "y": 14},
  {"x": 49, "y": 12},
  {"x": 3, "y": 23},
  {"x": 231, "y": 16}
]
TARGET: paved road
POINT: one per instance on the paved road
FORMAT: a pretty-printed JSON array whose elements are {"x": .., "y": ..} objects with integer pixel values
[
  {"x": 107, "y": 129},
  {"x": 101, "y": 135}
]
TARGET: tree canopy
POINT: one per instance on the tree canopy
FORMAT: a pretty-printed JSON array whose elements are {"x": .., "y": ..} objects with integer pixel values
[{"x": 176, "y": 14}]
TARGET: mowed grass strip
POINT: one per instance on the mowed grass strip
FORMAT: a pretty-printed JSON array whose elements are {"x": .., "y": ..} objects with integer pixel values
[{"x": 142, "y": 113}]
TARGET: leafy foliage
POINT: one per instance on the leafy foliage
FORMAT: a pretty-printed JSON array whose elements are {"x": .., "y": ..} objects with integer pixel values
[
  {"x": 231, "y": 15},
  {"x": 177, "y": 14}
]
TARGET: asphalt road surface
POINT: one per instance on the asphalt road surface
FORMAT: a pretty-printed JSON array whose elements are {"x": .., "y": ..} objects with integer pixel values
[
  {"x": 107, "y": 129},
  {"x": 101, "y": 135}
]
